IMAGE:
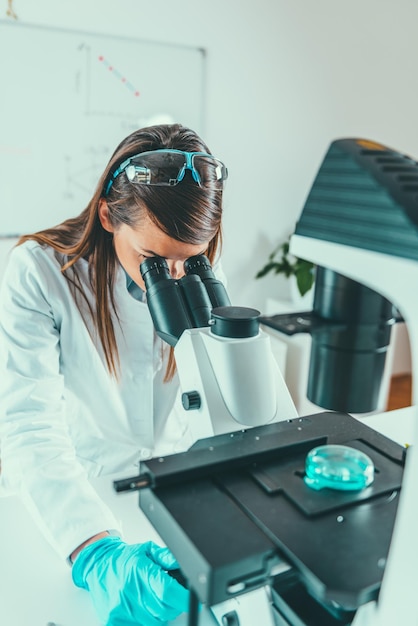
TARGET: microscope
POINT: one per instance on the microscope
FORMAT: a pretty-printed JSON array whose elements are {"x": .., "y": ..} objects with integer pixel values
[
  {"x": 218, "y": 348},
  {"x": 254, "y": 541}
]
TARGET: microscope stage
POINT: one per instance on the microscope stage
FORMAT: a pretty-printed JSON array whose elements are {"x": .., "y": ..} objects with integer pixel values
[{"x": 232, "y": 521}]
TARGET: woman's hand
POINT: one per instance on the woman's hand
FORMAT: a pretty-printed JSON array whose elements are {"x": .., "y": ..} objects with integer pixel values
[{"x": 129, "y": 584}]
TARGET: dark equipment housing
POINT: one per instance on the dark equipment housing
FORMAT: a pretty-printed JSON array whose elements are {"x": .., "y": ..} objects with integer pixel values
[{"x": 365, "y": 195}]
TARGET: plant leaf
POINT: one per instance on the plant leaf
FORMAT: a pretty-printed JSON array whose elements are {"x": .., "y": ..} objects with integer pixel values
[
  {"x": 289, "y": 265},
  {"x": 269, "y": 267},
  {"x": 304, "y": 276}
]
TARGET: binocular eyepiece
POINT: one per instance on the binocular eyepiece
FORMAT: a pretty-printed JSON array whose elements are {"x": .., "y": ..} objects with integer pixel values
[{"x": 178, "y": 304}]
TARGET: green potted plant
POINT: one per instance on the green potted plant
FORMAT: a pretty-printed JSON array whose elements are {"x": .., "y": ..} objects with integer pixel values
[{"x": 280, "y": 261}]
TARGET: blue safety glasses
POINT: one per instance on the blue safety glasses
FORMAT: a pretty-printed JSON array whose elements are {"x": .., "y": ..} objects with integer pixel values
[{"x": 168, "y": 167}]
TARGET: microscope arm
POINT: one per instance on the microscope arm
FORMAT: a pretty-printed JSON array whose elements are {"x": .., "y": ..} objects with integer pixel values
[{"x": 231, "y": 384}]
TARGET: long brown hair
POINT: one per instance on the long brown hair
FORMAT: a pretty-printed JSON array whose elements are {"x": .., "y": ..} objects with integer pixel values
[{"x": 187, "y": 213}]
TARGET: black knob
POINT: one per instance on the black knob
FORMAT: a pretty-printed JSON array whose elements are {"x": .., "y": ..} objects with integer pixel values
[
  {"x": 191, "y": 400},
  {"x": 230, "y": 619}
]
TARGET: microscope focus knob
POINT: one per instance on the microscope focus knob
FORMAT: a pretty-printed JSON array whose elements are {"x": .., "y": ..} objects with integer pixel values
[
  {"x": 230, "y": 619},
  {"x": 191, "y": 400}
]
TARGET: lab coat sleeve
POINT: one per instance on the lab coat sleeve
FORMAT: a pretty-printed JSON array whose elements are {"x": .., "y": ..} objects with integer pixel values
[{"x": 38, "y": 458}]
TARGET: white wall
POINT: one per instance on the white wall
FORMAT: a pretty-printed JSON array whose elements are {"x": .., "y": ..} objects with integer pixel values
[{"x": 285, "y": 78}]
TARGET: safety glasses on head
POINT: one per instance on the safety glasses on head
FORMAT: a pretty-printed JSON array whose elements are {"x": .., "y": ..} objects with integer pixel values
[{"x": 167, "y": 168}]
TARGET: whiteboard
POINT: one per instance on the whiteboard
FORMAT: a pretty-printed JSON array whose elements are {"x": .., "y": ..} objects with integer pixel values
[{"x": 67, "y": 99}]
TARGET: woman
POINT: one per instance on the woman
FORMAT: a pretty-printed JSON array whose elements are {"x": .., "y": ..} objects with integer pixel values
[{"x": 86, "y": 386}]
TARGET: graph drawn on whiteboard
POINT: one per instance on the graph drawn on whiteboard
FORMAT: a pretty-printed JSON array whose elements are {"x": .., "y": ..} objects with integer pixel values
[
  {"x": 118, "y": 75},
  {"x": 69, "y": 99}
]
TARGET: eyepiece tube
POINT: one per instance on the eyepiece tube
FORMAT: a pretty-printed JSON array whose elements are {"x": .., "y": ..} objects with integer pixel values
[
  {"x": 167, "y": 308},
  {"x": 216, "y": 291},
  {"x": 197, "y": 300},
  {"x": 154, "y": 270}
]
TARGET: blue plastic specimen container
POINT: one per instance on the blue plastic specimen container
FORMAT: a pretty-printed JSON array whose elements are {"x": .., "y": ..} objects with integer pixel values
[{"x": 338, "y": 467}]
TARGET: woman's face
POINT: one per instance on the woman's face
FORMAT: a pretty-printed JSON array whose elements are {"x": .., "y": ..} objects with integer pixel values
[{"x": 133, "y": 245}]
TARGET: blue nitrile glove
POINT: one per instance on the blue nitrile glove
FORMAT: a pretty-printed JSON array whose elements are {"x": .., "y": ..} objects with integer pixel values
[{"x": 129, "y": 584}]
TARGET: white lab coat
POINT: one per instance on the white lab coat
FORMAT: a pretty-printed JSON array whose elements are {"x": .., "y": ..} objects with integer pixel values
[{"x": 63, "y": 417}]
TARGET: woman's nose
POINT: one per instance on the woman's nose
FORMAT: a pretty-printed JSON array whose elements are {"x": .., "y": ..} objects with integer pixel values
[{"x": 176, "y": 269}]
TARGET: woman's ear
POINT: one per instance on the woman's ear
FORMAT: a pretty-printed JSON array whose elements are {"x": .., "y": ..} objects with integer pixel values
[{"x": 104, "y": 216}]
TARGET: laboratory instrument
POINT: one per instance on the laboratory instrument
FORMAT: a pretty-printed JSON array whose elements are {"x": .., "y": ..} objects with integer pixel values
[{"x": 253, "y": 540}]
